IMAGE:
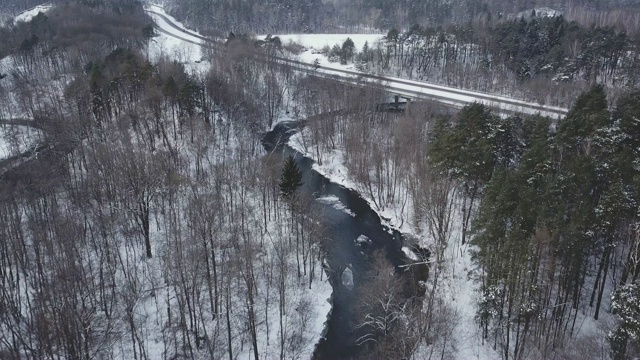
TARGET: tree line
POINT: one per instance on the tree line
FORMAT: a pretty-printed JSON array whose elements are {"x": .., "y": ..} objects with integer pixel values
[
  {"x": 340, "y": 16},
  {"x": 523, "y": 57}
]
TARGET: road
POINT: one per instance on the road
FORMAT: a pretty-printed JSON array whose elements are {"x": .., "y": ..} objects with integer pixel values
[{"x": 415, "y": 90}]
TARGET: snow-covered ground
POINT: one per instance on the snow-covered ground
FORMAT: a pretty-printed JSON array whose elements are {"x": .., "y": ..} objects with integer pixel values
[
  {"x": 459, "y": 282},
  {"x": 31, "y": 13},
  {"x": 174, "y": 47},
  {"x": 8, "y": 19},
  {"x": 316, "y": 42},
  {"x": 16, "y": 140},
  {"x": 319, "y": 292},
  {"x": 458, "y": 285},
  {"x": 539, "y": 12},
  {"x": 190, "y": 55},
  {"x": 410, "y": 88}
]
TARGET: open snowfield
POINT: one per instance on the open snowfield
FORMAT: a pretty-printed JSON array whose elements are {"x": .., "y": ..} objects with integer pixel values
[
  {"x": 316, "y": 42},
  {"x": 319, "y": 41},
  {"x": 186, "y": 53},
  {"x": 7, "y": 18}
]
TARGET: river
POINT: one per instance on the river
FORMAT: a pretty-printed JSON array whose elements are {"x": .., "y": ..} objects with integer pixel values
[{"x": 343, "y": 230}]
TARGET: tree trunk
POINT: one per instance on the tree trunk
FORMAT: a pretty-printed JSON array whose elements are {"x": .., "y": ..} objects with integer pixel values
[{"x": 604, "y": 280}]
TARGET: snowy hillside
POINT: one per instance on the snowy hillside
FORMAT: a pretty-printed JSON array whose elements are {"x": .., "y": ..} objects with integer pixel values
[
  {"x": 182, "y": 245},
  {"x": 31, "y": 13}
]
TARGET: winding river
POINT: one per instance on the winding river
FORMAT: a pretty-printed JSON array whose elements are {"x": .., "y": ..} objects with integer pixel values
[{"x": 344, "y": 227}]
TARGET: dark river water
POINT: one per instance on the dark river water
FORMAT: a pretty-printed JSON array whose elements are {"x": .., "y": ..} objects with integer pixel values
[{"x": 342, "y": 251}]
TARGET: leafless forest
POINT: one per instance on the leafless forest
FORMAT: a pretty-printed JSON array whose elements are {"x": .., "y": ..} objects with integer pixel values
[{"x": 142, "y": 218}]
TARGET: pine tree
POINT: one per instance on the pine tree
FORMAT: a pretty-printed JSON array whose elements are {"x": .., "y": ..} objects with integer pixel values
[
  {"x": 467, "y": 152},
  {"x": 625, "y": 302},
  {"x": 347, "y": 51},
  {"x": 290, "y": 179}
]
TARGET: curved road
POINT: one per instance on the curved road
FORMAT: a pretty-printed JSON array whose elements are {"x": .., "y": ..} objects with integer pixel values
[{"x": 411, "y": 89}]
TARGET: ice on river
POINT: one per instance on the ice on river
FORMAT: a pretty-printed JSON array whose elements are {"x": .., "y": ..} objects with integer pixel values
[
  {"x": 347, "y": 278},
  {"x": 362, "y": 240}
]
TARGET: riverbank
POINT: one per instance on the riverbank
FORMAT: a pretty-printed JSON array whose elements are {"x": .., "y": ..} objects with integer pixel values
[
  {"x": 453, "y": 286},
  {"x": 347, "y": 216}
]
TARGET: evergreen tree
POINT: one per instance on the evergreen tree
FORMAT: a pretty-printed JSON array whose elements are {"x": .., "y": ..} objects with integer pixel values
[
  {"x": 628, "y": 113},
  {"x": 468, "y": 152},
  {"x": 290, "y": 179},
  {"x": 589, "y": 113},
  {"x": 347, "y": 51},
  {"x": 625, "y": 302}
]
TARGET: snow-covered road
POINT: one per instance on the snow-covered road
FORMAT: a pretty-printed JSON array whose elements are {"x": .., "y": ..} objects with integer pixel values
[{"x": 407, "y": 88}]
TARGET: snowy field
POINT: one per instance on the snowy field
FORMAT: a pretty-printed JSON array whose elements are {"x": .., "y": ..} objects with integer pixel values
[
  {"x": 6, "y": 19},
  {"x": 186, "y": 53},
  {"x": 319, "y": 41},
  {"x": 314, "y": 43},
  {"x": 540, "y": 12}
]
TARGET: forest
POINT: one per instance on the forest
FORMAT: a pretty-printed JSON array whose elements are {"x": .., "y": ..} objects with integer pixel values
[
  {"x": 342, "y": 16},
  {"x": 144, "y": 214},
  {"x": 556, "y": 224},
  {"x": 549, "y": 211},
  {"x": 144, "y": 221}
]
